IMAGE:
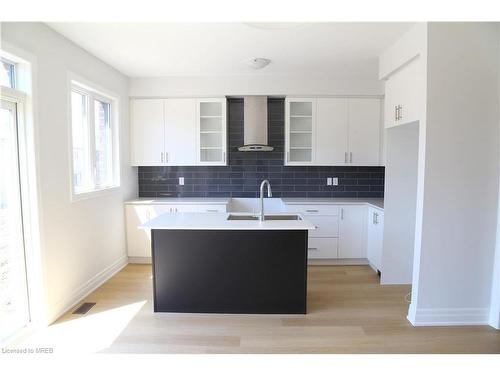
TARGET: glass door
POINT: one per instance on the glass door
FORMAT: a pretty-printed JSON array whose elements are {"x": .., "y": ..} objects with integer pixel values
[
  {"x": 300, "y": 117},
  {"x": 14, "y": 305},
  {"x": 212, "y": 131}
]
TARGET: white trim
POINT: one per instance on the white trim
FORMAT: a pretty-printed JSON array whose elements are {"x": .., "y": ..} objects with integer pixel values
[
  {"x": 448, "y": 317},
  {"x": 85, "y": 289},
  {"x": 28, "y": 138},
  {"x": 140, "y": 260},
  {"x": 95, "y": 92},
  {"x": 338, "y": 262}
]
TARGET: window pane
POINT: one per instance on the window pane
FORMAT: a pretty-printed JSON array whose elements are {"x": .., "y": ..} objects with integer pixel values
[
  {"x": 81, "y": 150},
  {"x": 14, "y": 310},
  {"x": 103, "y": 145},
  {"x": 7, "y": 74}
]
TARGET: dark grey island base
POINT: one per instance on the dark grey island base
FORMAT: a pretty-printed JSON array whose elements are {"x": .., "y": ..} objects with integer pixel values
[{"x": 230, "y": 271}]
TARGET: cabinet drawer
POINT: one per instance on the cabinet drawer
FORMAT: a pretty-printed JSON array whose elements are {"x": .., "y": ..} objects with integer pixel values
[
  {"x": 199, "y": 208},
  {"x": 326, "y": 226},
  {"x": 322, "y": 248},
  {"x": 323, "y": 209}
]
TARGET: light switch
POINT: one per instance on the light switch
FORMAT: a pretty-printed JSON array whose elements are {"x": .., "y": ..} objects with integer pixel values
[
  {"x": 329, "y": 181},
  {"x": 335, "y": 181},
  {"x": 181, "y": 180}
]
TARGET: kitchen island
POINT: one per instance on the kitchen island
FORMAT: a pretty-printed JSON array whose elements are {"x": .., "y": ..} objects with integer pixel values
[{"x": 229, "y": 263}]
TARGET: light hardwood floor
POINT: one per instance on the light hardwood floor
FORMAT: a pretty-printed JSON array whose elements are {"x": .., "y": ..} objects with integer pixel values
[{"x": 348, "y": 312}]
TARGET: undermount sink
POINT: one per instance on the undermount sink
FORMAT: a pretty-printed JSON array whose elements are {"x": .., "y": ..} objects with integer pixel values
[{"x": 266, "y": 217}]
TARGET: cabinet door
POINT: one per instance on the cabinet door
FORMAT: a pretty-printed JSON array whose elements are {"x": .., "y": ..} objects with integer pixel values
[
  {"x": 180, "y": 131},
  {"x": 139, "y": 240},
  {"x": 300, "y": 124},
  {"x": 147, "y": 132},
  {"x": 375, "y": 233},
  {"x": 404, "y": 88},
  {"x": 364, "y": 131},
  {"x": 211, "y": 132},
  {"x": 331, "y": 131},
  {"x": 352, "y": 243}
]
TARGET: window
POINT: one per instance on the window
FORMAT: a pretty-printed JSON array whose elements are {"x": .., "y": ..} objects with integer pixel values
[
  {"x": 94, "y": 140},
  {"x": 7, "y": 74}
]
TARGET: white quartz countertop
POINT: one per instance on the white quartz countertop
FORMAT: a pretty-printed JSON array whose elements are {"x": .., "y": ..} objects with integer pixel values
[
  {"x": 179, "y": 201},
  {"x": 376, "y": 202},
  {"x": 218, "y": 221}
]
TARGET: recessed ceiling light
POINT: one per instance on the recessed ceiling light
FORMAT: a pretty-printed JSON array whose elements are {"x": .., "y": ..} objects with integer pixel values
[{"x": 258, "y": 62}]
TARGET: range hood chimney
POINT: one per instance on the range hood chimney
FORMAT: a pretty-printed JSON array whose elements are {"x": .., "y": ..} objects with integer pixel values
[{"x": 255, "y": 124}]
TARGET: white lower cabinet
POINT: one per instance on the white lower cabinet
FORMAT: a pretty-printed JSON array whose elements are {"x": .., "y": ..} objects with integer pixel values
[
  {"x": 375, "y": 237},
  {"x": 139, "y": 240},
  {"x": 322, "y": 248},
  {"x": 352, "y": 240}
]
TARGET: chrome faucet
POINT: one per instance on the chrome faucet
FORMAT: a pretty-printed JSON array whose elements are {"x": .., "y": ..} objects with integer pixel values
[{"x": 269, "y": 195}]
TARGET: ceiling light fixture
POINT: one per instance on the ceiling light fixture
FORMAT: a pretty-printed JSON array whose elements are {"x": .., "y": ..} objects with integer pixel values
[{"x": 258, "y": 62}]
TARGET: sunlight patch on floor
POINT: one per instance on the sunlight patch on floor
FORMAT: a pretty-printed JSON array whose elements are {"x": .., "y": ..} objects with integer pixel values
[{"x": 86, "y": 334}]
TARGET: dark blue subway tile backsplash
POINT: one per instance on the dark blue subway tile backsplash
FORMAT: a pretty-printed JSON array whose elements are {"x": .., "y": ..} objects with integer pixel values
[{"x": 241, "y": 178}]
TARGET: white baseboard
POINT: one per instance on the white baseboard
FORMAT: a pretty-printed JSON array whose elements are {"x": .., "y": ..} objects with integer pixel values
[
  {"x": 448, "y": 317},
  {"x": 337, "y": 262},
  {"x": 84, "y": 290},
  {"x": 140, "y": 260}
]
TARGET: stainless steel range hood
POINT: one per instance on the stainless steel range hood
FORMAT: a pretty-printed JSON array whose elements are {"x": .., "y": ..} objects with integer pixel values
[{"x": 255, "y": 124}]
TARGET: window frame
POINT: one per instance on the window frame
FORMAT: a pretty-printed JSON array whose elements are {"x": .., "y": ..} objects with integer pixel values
[
  {"x": 14, "y": 72},
  {"x": 94, "y": 92}
]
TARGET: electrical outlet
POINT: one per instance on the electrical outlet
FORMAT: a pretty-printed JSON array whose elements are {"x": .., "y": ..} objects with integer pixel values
[
  {"x": 335, "y": 181},
  {"x": 181, "y": 180},
  {"x": 329, "y": 181}
]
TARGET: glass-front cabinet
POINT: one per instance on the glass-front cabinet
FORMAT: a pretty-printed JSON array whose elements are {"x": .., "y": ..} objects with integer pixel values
[
  {"x": 300, "y": 121},
  {"x": 211, "y": 131}
]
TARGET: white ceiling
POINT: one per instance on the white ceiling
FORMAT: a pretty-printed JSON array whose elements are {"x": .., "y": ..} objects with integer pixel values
[{"x": 213, "y": 49}]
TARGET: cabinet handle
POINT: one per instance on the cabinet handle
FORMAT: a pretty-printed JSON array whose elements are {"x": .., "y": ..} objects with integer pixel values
[
  {"x": 212, "y": 210},
  {"x": 396, "y": 113},
  {"x": 166, "y": 157},
  {"x": 288, "y": 156},
  {"x": 312, "y": 211},
  {"x": 224, "y": 156},
  {"x": 341, "y": 214},
  {"x": 312, "y": 248},
  {"x": 162, "y": 157},
  {"x": 345, "y": 157},
  {"x": 400, "y": 112},
  {"x": 350, "y": 157}
]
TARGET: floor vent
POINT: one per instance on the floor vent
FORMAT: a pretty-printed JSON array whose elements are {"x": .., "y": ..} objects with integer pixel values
[{"x": 84, "y": 308}]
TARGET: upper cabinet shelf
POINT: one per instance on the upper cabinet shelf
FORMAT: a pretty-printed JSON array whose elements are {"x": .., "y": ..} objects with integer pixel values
[
  {"x": 178, "y": 132},
  {"x": 332, "y": 131}
]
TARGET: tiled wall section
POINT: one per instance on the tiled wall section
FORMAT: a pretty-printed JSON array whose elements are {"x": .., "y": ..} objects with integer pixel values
[{"x": 241, "y": 178}]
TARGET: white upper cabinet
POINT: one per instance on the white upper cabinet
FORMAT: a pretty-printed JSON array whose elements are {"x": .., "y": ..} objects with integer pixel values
[
  {"x": 332, "y": 131},
  {"x": 404, "y": 95},
  {"x": 300, "y": 124},
  {"x": 364, "y": 132},
  {"x": 180, "y": 132},
  {"x": 177, "y": 132},
  {"x": 147, "y": 132},
  {"x": 211, "y": 136}
]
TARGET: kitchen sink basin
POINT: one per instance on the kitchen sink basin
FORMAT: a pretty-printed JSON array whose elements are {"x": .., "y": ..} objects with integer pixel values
[{"x": 266, "y": 217}]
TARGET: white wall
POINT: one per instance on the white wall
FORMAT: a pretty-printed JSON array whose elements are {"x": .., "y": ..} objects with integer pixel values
[
  {"x": 81, "y": 241},
  {"x": 400, "y": 203},
  {"x": 255, "y": 85},
  {"x": 495, "y": 286},
  {"x": 454, "y": 255}
]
